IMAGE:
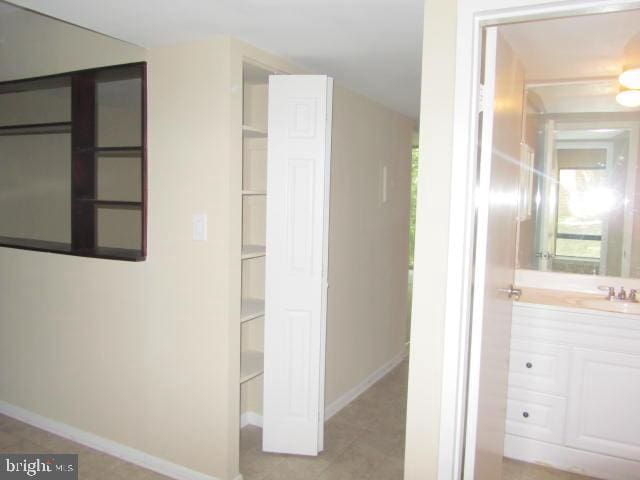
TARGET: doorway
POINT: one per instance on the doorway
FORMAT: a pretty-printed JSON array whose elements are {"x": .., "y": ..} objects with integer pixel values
[{"x": 548, "y": 174}]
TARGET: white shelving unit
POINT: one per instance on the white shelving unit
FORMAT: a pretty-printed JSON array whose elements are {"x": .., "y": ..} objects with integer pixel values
[
  {"x": 253, "y": 132},
  {"x": 254, "y": 192},
  {"x": 251, "y": 308},
  {"x": 253, "y": 251},
  {"x": 251, "y": 365}
]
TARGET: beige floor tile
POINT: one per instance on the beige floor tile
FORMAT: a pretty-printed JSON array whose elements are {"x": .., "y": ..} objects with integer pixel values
[
  {"x": 355, "y": 463},
  {"x": 26, "y": 446},
  {"x": 515, "y": 470},
  {"x": 6, "y": 439},
  {"x": 392, "y": 468},
  {"x": 256, "y": 465}
]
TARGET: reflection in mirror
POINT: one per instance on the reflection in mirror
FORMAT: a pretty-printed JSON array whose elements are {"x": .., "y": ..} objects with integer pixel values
[{"x": 579, "y": 205}]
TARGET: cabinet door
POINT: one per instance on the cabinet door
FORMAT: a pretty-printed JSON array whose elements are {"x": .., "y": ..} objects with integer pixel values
[
  {"x": 299, "y": 153},
  {"x": 604, "y": 392}
]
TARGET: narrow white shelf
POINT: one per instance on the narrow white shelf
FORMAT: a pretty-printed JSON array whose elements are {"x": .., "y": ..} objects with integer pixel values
[
  {"x": 251, "y": 308},
  {"x": 251, "y": 365},
  {"x": 254, "y": 192},
  {"x": 253, "y": 251},
  {"x": 253, "y": 132}
]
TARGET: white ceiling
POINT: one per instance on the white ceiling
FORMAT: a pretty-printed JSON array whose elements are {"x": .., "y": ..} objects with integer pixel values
[
  {"x": 562, "y": 54},
  {"x": 596, "y": 96},
  {"x": 578, "y": 47},
  {"x": 370, "y": 46}
]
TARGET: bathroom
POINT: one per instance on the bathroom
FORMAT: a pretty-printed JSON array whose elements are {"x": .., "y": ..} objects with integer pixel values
[{"x": 574, "y": 356}]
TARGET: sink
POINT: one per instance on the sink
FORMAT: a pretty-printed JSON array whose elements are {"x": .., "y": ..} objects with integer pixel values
[
  {"x": 619, "y": 306},
  {"x": 578, "y": 300}
]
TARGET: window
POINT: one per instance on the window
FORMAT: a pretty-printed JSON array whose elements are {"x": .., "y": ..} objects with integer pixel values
[{"x": 583, "y": 197}]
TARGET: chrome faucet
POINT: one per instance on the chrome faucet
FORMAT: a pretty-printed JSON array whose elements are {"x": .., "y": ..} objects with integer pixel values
[
  {"x": 611, "y": 292},
  {"x": 622, "y": 295}
]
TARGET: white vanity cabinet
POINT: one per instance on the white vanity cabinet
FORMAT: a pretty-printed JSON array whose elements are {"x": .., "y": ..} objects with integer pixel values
[{"x": 574, "y": 390}]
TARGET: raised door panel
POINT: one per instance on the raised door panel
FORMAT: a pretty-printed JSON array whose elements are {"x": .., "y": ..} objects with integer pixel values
[
  {"x": 296, "y": 264},
  {"x": 539, "y": 367},
  {"x": 604, "y": 392}
]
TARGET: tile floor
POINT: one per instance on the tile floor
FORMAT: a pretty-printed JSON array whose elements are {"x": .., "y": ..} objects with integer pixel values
[
  {"x": 365, "y": 441},
  {"x": 18, "y": 437}
]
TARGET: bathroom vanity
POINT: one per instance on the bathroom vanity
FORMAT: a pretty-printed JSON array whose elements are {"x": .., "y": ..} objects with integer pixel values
[{"x": 574, "y": 384}]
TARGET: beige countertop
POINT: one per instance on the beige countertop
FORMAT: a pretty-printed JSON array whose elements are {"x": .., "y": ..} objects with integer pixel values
[{"x": 569, "y": 299}]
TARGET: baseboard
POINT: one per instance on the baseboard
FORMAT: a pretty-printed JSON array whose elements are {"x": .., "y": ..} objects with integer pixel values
[
  {"x": 570, "y": 459},
  {"x": 355, "y": 392},
  {"x": 109, "y": 447},
  {"x": 251, "y": 418}
]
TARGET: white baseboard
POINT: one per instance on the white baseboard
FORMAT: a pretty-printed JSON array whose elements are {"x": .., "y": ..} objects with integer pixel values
[
  {"x": 570, "y": 459},
  {"x": 253, "y": 418},
  {"x": 355, "y": 392},
  {"x": 109, "y": 447}
]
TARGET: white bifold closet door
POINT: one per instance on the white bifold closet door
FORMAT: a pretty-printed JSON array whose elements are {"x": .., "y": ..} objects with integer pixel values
[{"x": 299, "y": 154}]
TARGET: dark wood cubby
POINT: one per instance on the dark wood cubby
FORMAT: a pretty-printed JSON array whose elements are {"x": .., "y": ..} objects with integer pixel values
[{"x": 83, "y": 130}]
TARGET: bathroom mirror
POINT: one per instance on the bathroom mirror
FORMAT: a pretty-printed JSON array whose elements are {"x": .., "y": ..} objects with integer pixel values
[{"x": 579, "y": 187}]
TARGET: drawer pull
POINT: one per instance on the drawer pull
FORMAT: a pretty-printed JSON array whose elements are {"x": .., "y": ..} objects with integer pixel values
[
  {"x": 525, "y": 414},
  {"x": 529, "y": 364}
]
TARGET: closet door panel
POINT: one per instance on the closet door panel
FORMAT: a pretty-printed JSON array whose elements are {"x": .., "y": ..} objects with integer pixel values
[{"x": 296, "y": 274}]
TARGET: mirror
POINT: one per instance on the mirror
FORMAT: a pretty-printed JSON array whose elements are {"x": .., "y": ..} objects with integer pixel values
[{"x": 579, "y": 188}]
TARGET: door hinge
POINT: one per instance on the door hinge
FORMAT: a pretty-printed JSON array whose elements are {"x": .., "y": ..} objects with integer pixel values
[{"x": 480, "y": 98}]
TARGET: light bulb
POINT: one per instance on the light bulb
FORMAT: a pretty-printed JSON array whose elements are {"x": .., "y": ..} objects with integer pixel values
[
  {"x": 630, "y": 78},
  {"x": 629, "y": 98}
]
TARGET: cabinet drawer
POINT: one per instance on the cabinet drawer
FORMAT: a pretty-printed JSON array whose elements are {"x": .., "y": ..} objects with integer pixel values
[
  {"x": 535, "y": 415},
  {"x": 540, "y": 367}
]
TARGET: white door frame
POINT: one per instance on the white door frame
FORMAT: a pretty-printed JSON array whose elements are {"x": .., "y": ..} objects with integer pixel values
[{"x": 472, "y": 17}]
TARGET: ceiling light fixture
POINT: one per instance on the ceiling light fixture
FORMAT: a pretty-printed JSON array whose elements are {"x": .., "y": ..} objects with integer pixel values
[
  {"x": 629, "y": 98},
  {"x": 630, "y": 78}
]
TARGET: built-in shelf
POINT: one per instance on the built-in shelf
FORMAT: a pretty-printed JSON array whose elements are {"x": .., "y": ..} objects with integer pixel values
[
  {"x": 35, "y": 128},
  {"x": 253, "y": 132},
  {"x": 254, "y": 192},
  {"x": 129, "y": 148},
  {"x": 111, "y": 203},
  {"x": 253, "y": 251},
  {"x": 251, "y": 365},
  {"x": 251, "y": 308},
  {"x": 66, "y": 249}
]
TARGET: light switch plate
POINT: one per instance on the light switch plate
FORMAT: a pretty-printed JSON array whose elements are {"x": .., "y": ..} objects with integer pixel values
[{"x": 200, "y": 226}]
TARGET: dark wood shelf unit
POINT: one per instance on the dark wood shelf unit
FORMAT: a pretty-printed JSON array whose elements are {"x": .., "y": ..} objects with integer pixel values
[
  {"x": 36, "y": 128},
  {"x": 108, "y": 149},
  {"x": 111, "y": 203},
  {"x": 84, "y": 149},
  {"x": 66, "y": 249}
]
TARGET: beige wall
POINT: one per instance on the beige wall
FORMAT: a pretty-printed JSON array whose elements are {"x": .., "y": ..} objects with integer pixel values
[
  {"x": 131, "y": 342},
  {"x": 368, "y": 240},
  {"x": 430, "y": 260}
]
